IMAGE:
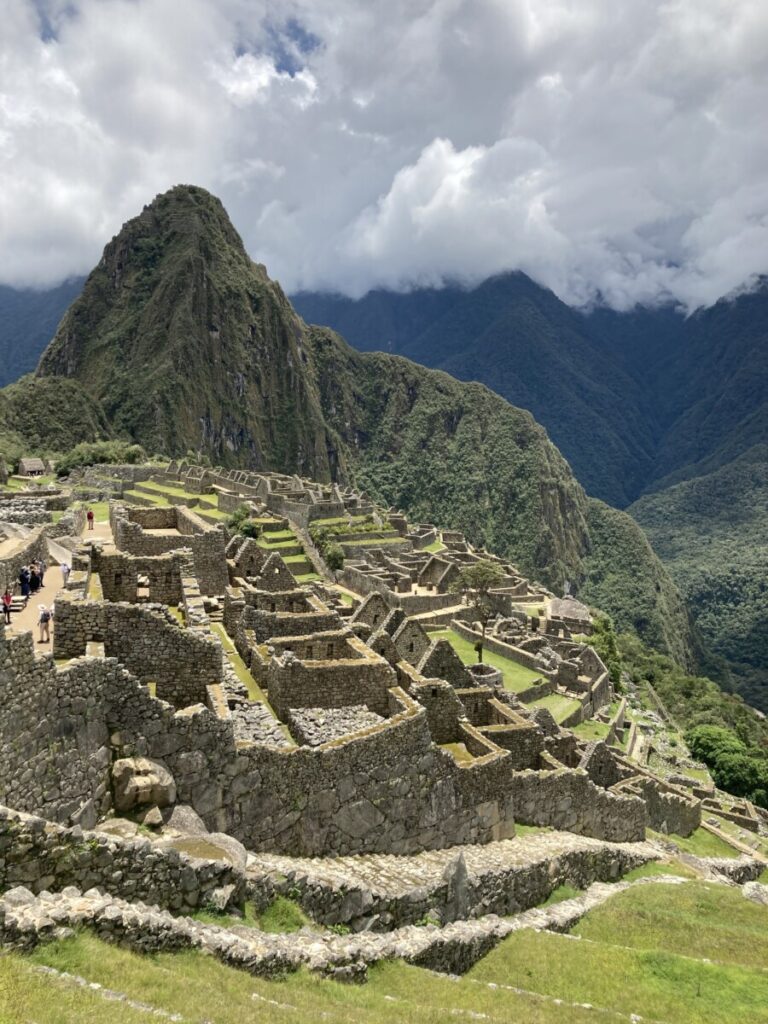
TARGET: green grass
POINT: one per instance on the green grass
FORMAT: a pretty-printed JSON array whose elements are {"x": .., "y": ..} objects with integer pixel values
[
  {"x": 699, "y": 919},
  {"x": 281, "y": 916},
  {"x": 560, "y": 707},
  {"x": 591, "y": 730},
  {"x": 307, "y": 577},
  {"x": 434, "y": 547},
  {"x": 199, "y": 988},
  {"x": 658, "y": 984},
  {"x": 700, "y": 843},
  {"x": 516, "y": 677},
  {"x": 560, "y": 894},
  {"x": 178, "y": 492},
  {"x": 100, "y": 510},
  {"x": 142, "y": 496},
  {"x": 238, "y": 665},
  {"x": 654, "y": 868},
  {"x": 211, "y": 513}
]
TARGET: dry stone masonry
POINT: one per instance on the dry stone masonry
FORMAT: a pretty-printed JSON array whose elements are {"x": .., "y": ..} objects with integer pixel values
[{"x": 276, "y": 727}]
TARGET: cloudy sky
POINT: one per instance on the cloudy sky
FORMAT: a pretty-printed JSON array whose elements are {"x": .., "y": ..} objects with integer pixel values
[{"x": 612, "y": 149}]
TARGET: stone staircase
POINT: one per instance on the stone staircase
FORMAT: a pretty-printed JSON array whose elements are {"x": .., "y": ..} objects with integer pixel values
[{"x": 377, "y": 892}]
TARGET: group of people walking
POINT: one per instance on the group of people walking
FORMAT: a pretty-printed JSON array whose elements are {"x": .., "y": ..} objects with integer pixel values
[{"x": 32, "y": 577}]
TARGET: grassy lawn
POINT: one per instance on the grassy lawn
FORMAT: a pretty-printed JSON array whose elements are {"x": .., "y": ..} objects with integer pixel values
[
  {"x": 434, "y": 547},
  {"x": 516, "y": 677},
  {"x": 660, "y": 984},
  {"x": 700, "y": 843},
  {"x": 560, "y": 707},
  {"x": 654, "y": 868},
  {"x": 155, "y": 499},
  {"x": 372, "y": 542},
  {"x": 211, "y": 513},
  {"x": 199, "y": 988},
  {"x": 307, "y": 577},
  {"x": 591, "y": 730},
  {"x": 700, "y": 920},
  {"x": 179, "y": 492}
]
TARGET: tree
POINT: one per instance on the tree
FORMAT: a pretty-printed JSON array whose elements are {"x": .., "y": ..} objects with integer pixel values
[
  {"x": 475, "y": 582},
  {"x": 334, "y": 557}
]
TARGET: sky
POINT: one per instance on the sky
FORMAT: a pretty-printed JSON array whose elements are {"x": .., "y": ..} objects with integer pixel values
[{"x": 614, "y": 150}]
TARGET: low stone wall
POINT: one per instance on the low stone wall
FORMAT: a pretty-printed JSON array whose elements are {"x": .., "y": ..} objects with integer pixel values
[
  {"x": 537, "y": 691},
  {"x": 40, "y": 855},
  {"x": 569, "y": 800}
]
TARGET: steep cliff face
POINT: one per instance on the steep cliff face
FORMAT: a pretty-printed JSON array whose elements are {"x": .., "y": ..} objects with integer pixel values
[{"x": 185, "y": 344}]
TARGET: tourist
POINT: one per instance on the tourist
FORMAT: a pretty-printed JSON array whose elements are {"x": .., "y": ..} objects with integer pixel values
[
  {"x": 44, "y": 622},
  {"x": 65, "y": 570},
  {"x": 34, "y": 579},
  {"x": 24, "y": 581},
  {"x": 42, "y": 566},
  {"x": 7, "y": 601},
  {"x": 89, "y": 516}
]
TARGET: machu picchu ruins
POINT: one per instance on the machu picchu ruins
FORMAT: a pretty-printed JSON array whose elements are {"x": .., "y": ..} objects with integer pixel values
[{"x": 222, "y": 718}]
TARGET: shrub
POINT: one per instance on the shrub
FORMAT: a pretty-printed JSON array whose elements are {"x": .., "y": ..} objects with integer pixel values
[
  {"x": 94, "y": 453},
  {"x": 334, "y": 557}
]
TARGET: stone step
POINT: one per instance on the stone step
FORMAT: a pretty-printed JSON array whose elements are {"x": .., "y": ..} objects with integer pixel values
[
  {"x": 26, "y": 920},
  {"x": 383, "y": 891}
]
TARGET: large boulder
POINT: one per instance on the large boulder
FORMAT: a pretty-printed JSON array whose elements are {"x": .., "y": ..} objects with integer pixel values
[{"x": 138, "y": 781}]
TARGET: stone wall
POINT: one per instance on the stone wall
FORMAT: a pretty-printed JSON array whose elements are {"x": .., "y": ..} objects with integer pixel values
[
  {"x": 40, "y": 855},
  {"x": 567, "y": 799},
  {"x": 147, "y": 640},
  {"x": 364, "y": 679},
  {"x": 119, "y": 576},
  {"x": 667, "y": 810},
  {"x": 31, "y": 548}
]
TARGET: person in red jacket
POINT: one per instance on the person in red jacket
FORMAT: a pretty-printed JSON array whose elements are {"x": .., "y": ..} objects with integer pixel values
[
  {"x": 7, "y": 601},
  {"x": 89, "y": 517}
]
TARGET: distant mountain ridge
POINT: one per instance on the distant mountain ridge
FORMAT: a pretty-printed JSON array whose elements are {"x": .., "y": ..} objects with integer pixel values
[
  {"x": 182, "y": 343},
  {"x": 654, "y": 411}
]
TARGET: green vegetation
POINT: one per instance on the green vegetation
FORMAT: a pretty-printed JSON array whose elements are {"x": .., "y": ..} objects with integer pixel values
[
  {"x": 559, "y": 707},
  {"x": 735, "y": 767},
  {"x": 560, "y": 894},
  {"x": 655, "y": 867},
  {"x": 93, "y": 453},
  {"x": 692, "y": 700},
  {"x": 281, "y": 916},
  {"x": 591, "y": 730},
  {"x": 703, "y": 921},
  {"x": 199, "y": 988},
  {"x": 701, "y": 843},
  {"x": 626, "y": 580},
  {"x": 712, "y": 533},
  {"x": 610, "y": 972},
  {"x": 334, "y": 557},
  {"x": 475, "y": 582},
  {"x": 516, "y": 677}
]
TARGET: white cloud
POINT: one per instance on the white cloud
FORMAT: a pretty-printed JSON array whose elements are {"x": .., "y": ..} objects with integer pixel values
[{"x": 613, "y": 150}]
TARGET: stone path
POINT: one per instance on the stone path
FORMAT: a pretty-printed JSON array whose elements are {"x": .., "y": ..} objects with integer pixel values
[
  {"x": 379, "y": 891},
  {"x": 26, "y": 919}
]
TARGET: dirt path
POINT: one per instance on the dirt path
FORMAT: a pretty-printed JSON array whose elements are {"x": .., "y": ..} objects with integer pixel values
[{"x": 27, "y": 619}]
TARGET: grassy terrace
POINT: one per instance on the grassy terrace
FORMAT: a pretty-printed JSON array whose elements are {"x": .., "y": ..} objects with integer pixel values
[
  {"x": 591, "y": 730},
  {"x": 700, "y": 843},
  {"x": 434, "y": 547},
  {"x": 692, "y": 953},
  {"x": 516, "y": 677},
  {"x": 560, "y": 707}
]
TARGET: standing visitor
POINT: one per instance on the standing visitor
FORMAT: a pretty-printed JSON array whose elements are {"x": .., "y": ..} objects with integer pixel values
[
  {"x": 7, "y": 600},
  {"x": 64, "y": 573},
  {"x": 34, "y": 579},
  {"x": 24, "y": 582},
  {"x": 89, "y": 517},
  {"x": 44, "y": 622},
  {"x": 42, "y": 566}
]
